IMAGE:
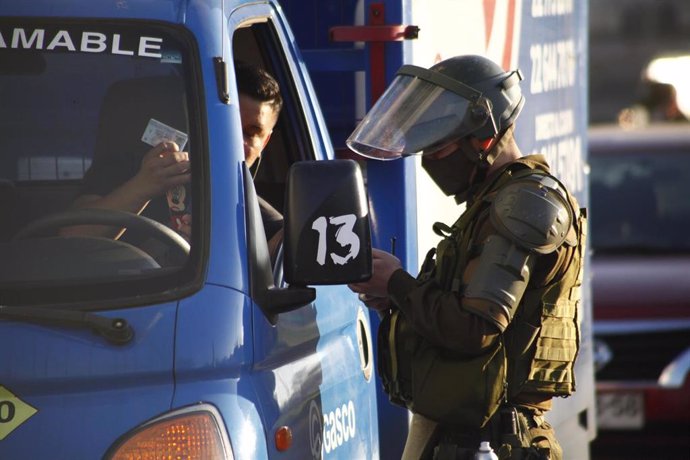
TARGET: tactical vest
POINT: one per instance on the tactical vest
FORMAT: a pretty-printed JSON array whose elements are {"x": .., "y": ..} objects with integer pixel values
[{"x": 538, "y": 348}]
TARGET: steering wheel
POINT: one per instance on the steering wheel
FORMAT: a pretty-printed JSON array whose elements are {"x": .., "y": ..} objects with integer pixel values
[{"x": 94, "y": 216}]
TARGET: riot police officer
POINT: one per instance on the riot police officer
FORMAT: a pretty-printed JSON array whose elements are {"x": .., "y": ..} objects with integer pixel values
[{"x": 477, "y": 345}]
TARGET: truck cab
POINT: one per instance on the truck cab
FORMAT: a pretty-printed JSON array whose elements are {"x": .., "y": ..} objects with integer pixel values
[{"x": 222, "y": 344}]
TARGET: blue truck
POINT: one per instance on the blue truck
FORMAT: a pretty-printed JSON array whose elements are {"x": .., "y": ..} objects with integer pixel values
[{"x": 226, "y": 345}]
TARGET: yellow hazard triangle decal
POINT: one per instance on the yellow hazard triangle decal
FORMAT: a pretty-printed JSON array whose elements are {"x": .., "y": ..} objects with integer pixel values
[{"x": 13, "y": 412}]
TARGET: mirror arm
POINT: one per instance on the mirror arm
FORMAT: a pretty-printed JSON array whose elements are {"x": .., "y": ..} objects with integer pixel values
[
  {"x": 274, "y": 301},
  {"x": 271, "y": 299}
]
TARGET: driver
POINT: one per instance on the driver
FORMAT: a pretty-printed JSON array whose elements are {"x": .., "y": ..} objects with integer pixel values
[
  {"x": 134, "y": 180},
  {"x": 126, "y": 174}
]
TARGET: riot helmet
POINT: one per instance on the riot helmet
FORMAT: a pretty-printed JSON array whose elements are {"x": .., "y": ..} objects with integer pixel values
[{"x": 424, "y": 110}]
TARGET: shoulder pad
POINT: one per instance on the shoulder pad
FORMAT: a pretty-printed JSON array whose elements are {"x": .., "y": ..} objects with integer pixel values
[{"x": 534, "y": 212}]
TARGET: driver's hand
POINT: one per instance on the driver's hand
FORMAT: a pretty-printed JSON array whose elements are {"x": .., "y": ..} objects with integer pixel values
[
  {"x": 162, "y": 168},
  {"x": 185, "y": 228}
]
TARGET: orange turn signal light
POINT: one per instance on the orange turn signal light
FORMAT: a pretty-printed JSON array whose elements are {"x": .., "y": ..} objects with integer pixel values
[
  {"x": 193, "y": 436},
  {"x": 283, "y": 438}
]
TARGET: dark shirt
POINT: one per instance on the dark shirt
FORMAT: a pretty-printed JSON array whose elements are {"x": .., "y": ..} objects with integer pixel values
[
  {"x": 272, "y": 219},
  {"x": 127, "y": 108}
]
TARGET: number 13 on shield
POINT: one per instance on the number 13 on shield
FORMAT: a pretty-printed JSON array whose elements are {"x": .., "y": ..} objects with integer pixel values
[{"x": 343, "y": 235}]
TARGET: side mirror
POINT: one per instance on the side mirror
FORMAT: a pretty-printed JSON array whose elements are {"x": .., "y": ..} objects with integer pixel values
[{"x": 327, "y": 230}]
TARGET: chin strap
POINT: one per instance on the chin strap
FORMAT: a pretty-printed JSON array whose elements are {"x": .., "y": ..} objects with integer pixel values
[
  {"x": 486, "y": 144},
  {"x": 494, "y": 146}
]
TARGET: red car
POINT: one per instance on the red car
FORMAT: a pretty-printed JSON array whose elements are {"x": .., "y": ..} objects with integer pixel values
[{"x": 640, "y": 241}]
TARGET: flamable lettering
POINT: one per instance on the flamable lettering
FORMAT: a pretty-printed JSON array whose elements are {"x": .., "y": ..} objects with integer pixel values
[{"x": 84, "y": 42}]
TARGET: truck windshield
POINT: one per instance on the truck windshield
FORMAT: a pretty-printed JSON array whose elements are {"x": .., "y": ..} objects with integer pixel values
[{"x": 84, "y": 105}]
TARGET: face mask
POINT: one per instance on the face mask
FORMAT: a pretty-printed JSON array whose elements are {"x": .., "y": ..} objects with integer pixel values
[{"x": 452, "y": 173}]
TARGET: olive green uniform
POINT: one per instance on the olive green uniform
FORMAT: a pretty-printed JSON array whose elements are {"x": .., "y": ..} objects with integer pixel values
[{"x": 505, "y": 282}]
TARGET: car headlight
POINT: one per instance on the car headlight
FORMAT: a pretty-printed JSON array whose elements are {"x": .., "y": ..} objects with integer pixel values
[{"x": 193, "y": 433}]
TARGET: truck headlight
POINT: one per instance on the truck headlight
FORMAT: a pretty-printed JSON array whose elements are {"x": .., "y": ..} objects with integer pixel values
[{"x": 194, "y": 433}]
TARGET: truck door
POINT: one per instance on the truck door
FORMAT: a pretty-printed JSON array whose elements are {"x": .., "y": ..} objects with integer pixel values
[{"x": 312, "y": 368}]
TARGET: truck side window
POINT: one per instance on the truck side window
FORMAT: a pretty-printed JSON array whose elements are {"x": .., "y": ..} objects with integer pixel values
[{"x": 257, "y": 44}]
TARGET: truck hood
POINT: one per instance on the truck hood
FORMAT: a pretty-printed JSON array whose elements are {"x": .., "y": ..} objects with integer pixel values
[
  {"x": 59, "y": 384},
  {"x": 635, "y": 287}
]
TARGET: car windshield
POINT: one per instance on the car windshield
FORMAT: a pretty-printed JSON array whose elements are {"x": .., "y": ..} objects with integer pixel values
[
  {"x": 639, "y": 201},
  {"x": 81, "y": 105}
]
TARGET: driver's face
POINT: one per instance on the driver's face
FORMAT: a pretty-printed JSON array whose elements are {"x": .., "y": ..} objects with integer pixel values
[{"x": 258, "y": 120}]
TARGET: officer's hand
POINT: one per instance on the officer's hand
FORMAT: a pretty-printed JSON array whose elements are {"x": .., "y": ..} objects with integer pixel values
[
  {"x": 375, "y": 303},
  {"x": 384, "y": 264},
  {"x": 162, "y": 168}
]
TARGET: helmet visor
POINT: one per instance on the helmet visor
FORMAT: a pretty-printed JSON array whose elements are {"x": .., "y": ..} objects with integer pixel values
[{"x": 415, "y": 116}]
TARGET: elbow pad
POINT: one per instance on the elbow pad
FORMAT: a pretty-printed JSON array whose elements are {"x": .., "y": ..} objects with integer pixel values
[
  {"x": 501, "y": 276},
  {"x": 533, "y": 216}
]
